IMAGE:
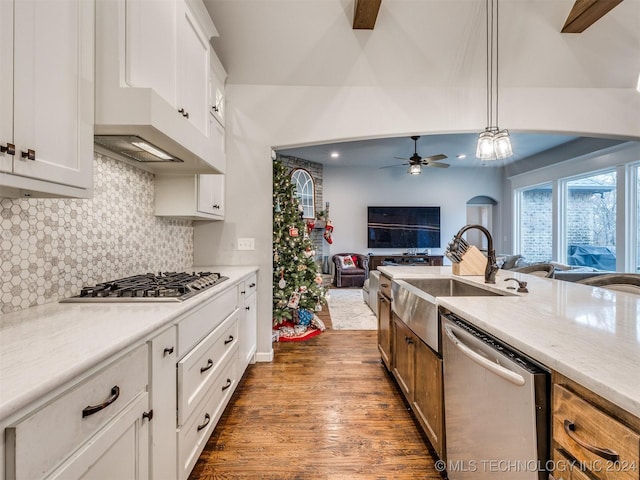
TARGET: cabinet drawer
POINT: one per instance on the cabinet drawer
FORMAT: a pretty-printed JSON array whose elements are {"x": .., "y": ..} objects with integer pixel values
[
  {"x": 193, "y": 435},
  {"x": 578, "y": 426},
  {"x": 250, "y": 285},
  {"x": 40, "y": 441},
  {"x": 199, "y": 323},
  {"x": 199, "y": 368}
]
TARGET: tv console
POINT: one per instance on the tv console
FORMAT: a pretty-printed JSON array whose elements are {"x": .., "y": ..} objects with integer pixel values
[{"x": 405, "y": 260}]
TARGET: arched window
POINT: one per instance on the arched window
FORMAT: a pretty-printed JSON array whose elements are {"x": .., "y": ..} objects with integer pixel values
[{"x": 305, "y": 191}]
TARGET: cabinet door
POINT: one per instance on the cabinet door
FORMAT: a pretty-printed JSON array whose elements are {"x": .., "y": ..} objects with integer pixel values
[
  {"x": 151, "y": 46},
  {"x": 384, "y": 329},
  {"x": 6, "y": 84},
  {"x": 216, "y": 94},
  {"x": 163, "y": 357},
  {"x": 120, "y": 450},
  {"x": 404, "y": 357},
  {"x": 53, "y": 90},
  {"x": 248, "y": 331},
  {"x": 428, "y": 396},
  {"x": 193, "y": 70},
  {"x": 211, "y": 194}
]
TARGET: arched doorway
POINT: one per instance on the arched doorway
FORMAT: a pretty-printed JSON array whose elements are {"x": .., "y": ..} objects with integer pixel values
[{"x": 480, "y": 211}]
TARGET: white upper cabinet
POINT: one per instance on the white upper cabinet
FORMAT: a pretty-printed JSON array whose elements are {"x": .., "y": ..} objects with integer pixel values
[
  {"x": 46, "y": 98},
  {"x": 198, "y": 197},
  {"x": 193, "y": 70},
  {"x": 216, "y": 89},
  {"x": 153, "y": 67}
]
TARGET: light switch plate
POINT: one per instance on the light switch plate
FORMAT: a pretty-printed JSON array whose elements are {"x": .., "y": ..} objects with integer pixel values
[{"x": 246, "y": 244}]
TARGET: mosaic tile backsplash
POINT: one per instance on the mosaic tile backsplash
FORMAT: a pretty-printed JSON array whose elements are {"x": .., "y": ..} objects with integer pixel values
[{"x": 51, "y": 248}]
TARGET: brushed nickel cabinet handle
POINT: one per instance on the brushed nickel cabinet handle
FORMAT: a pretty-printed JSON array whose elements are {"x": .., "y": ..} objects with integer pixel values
[
  {"x": 91, "y": 409},
  {"x": 29, "y": 154},
  {"x": 209, "y": 365},
  {"x": 227, "y": 385},
  {"x": 207, "y": 419},
  {"x": 9, "y": 149},
  {"x": 606, "y": 453},
  {"x": 228, "y": 340}
]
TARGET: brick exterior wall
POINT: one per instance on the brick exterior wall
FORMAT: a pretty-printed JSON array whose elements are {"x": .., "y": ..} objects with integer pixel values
[{"x": 583, "y": 223}]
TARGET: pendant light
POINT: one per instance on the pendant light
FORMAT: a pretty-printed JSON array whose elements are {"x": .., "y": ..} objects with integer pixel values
[{"x": 493, "y": 143}]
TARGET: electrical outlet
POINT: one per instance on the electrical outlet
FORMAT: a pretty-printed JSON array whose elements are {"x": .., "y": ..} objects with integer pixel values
[{"x": 246, "y": 244}]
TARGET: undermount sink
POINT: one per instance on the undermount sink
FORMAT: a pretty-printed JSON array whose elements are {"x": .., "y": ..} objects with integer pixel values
[
  {"x": 414, "y": 301},
  {"x": 450, "y": 287}
]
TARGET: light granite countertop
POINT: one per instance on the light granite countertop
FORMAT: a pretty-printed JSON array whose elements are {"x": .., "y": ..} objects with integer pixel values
[
  {"x": 590, "y": 335},
  {"x": 44, "y": 347}
]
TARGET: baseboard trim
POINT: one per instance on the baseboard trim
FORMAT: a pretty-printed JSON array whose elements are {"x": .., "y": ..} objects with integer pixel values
[{"x": 264, "y": 356}]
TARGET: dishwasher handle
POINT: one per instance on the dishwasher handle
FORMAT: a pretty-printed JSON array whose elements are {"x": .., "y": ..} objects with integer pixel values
[{"x": 483, "y": 362}]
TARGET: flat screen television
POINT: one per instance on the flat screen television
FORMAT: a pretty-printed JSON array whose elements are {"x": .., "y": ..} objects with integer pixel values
[{"x": 403, "y": 227}]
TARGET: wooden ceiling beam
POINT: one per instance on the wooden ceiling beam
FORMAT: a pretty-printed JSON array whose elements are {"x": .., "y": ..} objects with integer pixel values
[
  {"x": 585, "y": 13},
  {"x": 365, "y": 13}
]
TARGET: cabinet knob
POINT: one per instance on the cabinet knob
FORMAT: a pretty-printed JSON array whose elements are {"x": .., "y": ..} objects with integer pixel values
[
  {"x": 9, "y": 149},
  {"x": 214, "y": 108},
  {"x": 216, "y": 206},
  {"x": 183, "y": 112},
  {"x": 247, "y": 308},
  {"x": 29, "y": 154},
  {"x": 251, "y": 285},
  {"x": 148, "y": 415}
]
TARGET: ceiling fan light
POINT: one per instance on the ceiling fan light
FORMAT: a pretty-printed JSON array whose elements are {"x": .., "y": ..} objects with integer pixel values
[
  {"x": 502, "y": 144},
  {"x": 415, "y": 169},
  {"x": 484, "y": 150}
]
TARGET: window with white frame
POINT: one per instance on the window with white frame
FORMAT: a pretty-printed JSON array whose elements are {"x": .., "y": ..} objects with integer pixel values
[
  {"x": 535, "y": 223},
  {"x": 590, "y": 221},
  {"x": 305, "y": 191}
]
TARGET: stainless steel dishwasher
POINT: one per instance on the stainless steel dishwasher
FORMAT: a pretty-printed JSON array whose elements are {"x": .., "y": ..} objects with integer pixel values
[{"x": 496, "y": 407}]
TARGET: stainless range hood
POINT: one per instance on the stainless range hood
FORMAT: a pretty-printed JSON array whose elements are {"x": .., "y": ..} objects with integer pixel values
[{"x": 134, "y": 147}]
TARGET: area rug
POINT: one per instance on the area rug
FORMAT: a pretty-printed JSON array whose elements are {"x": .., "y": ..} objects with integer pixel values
[{"x": 349, "y": 311}]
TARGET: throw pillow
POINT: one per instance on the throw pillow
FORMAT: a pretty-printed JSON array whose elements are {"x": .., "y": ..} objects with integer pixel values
[{"x": 346, "y": 262}]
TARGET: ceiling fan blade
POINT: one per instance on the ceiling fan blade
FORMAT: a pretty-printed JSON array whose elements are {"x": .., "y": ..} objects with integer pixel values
[
  {"x": 401, "y": 158},
  {"x": 434, "y": 158},
  {"x": 396, "y": 165},
  {"x": 437, "y": 165}
]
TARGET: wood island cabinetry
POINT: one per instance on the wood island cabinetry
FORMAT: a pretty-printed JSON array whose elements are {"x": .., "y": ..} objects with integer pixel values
[{"x": 385, "y": 331}]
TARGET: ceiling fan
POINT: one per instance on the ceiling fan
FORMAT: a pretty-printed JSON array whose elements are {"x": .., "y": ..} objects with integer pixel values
[{"x": 416, "y": 162}]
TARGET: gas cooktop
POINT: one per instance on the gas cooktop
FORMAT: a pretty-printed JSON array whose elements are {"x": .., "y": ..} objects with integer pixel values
[{"x": 150, "y": 287}]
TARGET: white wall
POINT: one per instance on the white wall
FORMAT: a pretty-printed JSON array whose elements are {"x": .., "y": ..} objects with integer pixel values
[
  {"x": 261, "y": 117},
  {"x": 351, "y": 190}
]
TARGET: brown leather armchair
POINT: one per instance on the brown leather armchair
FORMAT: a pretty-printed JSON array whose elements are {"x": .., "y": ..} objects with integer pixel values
[{"x": 350, "y": 277}]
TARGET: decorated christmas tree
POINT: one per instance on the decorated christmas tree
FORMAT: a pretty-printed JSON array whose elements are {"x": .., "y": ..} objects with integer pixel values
[{"x": 297, "y": 281}]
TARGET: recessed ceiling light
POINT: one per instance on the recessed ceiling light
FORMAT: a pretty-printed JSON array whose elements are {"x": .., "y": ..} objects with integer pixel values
[
  {"x": 461, "y": 155},
  {"x": 335, "y": 154}
]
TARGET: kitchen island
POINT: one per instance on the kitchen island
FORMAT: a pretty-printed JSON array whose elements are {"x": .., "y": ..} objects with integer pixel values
[
  {"x": 590, "y": 335},
  {"x": 587, "y": 338}
]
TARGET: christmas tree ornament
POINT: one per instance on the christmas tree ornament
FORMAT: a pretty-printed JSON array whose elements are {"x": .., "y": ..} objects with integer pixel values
[
  {"x": 293, "y": 232},
  {"x": 294, "y": 300},
  {"x": 278, "y": 209},
  {"x": 318, "y": 279},
  {"x": 282, "y": 283},
  {"x": 303, "y": 289}
]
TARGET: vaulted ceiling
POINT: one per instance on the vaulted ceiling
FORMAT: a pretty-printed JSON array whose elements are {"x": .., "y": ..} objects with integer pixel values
[{"x": 426, "y": 43}]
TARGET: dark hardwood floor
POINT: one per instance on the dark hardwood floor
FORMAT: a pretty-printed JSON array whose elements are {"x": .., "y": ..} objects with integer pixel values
[{"x": 323, "y": 409}]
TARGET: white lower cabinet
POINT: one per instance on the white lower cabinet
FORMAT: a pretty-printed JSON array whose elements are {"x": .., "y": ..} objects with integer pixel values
[
  {"x": 148, "y": 413},
  {"x": 163, "y": 353},
  {"x": 248, "y": 321},
  {"x": 102, "y": 413}
]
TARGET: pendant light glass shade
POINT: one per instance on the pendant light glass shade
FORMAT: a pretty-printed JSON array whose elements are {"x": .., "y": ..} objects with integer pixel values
[
  {"x": 502, "y": 144},
  {"x": 484, "y": 151},
  {"x": 415, "y": 169}
]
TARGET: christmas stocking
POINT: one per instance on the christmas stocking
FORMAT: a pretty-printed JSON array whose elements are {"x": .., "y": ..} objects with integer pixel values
[{"x": 328, "y": 231}]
